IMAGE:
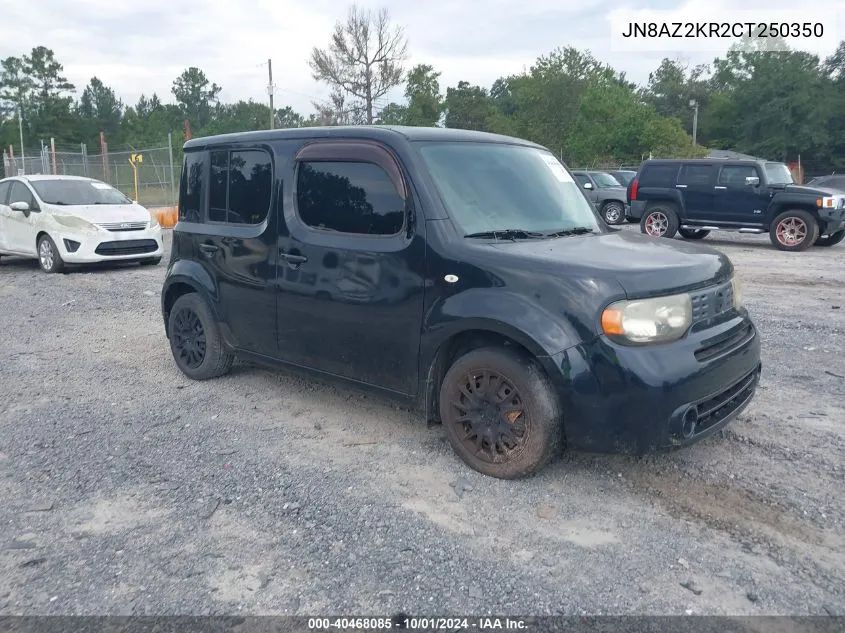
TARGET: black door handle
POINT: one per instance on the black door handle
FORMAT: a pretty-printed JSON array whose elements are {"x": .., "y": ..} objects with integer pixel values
[
  {"x": 293, "y": 259},
  {"x": 209, "y": 249}
]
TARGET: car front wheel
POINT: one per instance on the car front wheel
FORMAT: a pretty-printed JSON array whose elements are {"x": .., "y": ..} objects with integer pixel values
[
  {"x": 831, "y": 240},
  {"x": 48, "y": 256},
  {"x": 794, "y": 230},
  {"x": 693, "y": 234},
  {"x": 195, "y": 339},
  {"x": 500, "y": 413},
  {"x": 613, "y": 212}
]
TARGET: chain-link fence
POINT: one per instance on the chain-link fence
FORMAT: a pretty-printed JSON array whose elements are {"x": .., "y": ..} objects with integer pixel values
[{"x": 150, "y": 176}]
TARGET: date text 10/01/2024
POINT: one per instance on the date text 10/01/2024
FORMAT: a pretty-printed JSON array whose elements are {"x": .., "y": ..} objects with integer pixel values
[
  {"x": 761, "y": 30},
  {"x": 409, "y": 623}
]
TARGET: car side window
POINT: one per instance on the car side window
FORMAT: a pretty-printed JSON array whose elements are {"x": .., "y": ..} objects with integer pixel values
[
  {"x": 190, "y": 194},
  {"x": 21, "y": 193},
  {"x": 659, "y": 176},
  {"x": 241, "y": 186},
  {"x": 735, "y": 175},
  {"x": 582, "y": 179},
  {"x": 4, "y": 191},
  {"x": 351, "y": 197},
  {"x": 695, "y": 174}
]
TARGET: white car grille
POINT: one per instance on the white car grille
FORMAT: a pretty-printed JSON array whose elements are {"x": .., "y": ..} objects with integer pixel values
[{"x": 123, "y": 226}]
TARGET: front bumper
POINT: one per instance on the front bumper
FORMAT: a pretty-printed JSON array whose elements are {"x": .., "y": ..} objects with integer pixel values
[
  {"x": 106, "y": 246},
  {"x": 831, "y": 220},
  {"x": 633, "y": 400}
]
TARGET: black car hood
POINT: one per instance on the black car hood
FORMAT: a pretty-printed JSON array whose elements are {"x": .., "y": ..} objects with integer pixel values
[
  {"x": 642, "y": 265},
  {"x": 812, "y": 191}
]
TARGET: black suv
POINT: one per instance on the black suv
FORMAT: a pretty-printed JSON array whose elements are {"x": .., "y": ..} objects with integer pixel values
[
  {"x": 694, "y": 197},
  {"x": 463, "y": 272}
]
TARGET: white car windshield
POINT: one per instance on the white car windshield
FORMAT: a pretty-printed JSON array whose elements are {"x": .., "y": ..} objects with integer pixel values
[
  {"x": 491, "y": 187},
  {"x": 78, "y": 192}
]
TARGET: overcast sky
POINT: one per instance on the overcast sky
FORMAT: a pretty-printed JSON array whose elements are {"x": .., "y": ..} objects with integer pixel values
[{"x": 140, "y": 47}]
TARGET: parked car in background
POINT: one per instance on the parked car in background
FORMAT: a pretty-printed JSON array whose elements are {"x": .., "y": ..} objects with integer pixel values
[
  {"x": 695, "y": 197},
  {"x": 71, "y": 220},
  {"x": 462, "y": 272},
  {"x": 833, "y": 181},
  {"x": 605, "y": 192},
  {"x": 624, "y": 176}
]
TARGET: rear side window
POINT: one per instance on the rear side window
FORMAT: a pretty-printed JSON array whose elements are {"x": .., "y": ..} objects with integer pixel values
[
  {"x": 190, "y": 188},
  {"x": 241, "y": 186},
  {"x": 4, "y": 191},
  {"x": 735, "y": 175},
  {"x": 350, "y": 197},
  {"x": 659, "y": 176},
  {"x": 695, "y": 174}
]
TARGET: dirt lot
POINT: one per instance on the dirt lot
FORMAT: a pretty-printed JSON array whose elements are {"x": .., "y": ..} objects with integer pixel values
[{"x": 128, "y": 489}]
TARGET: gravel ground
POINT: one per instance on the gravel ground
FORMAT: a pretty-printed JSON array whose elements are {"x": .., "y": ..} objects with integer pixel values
[{"x": 128, "y": 489}]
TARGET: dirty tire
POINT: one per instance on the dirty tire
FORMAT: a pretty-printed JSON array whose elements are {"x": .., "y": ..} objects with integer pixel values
[
  {"x": 795, "y": 230},
  {"x": 693, "y": 234},
  {"x": 660, "y": 221},
  {"x": 195, "y": 340},
  {"x": 613, "y": 212},
  {"x": 151, "y": 262},
  {"x": 48, "y": 255},
  {"x": 831, "y": 240},
  {"x": 518, "y": 437}
]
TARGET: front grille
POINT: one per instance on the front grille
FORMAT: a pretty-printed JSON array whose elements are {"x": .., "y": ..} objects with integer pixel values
[
  {"x": 118, "y": 227},
  {"x": 726, "y": 342},
  {"x": 719, "y": 407},
  {"x": 711, "y": 302},
  {"x": 127, "y": 247}
]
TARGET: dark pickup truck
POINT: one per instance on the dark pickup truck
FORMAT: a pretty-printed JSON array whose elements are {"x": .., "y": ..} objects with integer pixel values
[
  {"x": 695, "y": 197},
  {"x": 462, "y": 272}
]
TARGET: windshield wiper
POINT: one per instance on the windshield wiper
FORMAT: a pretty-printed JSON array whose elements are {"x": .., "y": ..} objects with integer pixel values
[
  {"x": 508, "y": 234},
  {"x": 578, "y": 230}
]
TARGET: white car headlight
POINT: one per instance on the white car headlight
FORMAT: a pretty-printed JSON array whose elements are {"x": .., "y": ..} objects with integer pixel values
[
  {"x": 75, "y": 222},
  {"x": 656, "y": 320}
]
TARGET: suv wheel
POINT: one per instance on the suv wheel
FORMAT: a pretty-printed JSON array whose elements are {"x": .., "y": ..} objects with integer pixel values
[
  {"x": 693, "y": 234},
  {"x": 500, "y": 413},
  {"x": 48, "y": 256},
  {"x": 195, "y": 339},
  {"x": 832, "y": 239},
  {"x": 794, "y": 230},
  {"x": 613, "y": 212},
  {"x": 659, "y": 222}
]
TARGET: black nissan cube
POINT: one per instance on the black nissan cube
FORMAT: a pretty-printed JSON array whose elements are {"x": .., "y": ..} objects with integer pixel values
[{"x": 460, "y": 271}]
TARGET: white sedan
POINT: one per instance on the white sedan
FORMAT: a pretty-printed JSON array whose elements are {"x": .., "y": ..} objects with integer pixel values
[{"x": 71, "y": 220}]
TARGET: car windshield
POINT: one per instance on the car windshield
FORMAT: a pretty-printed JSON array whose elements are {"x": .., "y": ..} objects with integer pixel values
[
  {"x": 500, "y": 187},
  {"x": 778, "y": 174},
  {"x": 605, "y": 180},
  {"x": 624, "y": 177},
  {"x": 78, "y": 192}
]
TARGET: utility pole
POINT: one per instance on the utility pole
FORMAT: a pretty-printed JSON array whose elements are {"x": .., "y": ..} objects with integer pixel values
[
  {"x": 270, "y": 92},
  {"x": 20, "y": 129},
  {"x": 694, "y": 104}
]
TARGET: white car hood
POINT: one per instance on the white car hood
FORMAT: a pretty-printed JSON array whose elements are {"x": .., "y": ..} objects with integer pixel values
[{"x": 104, "y": 213}]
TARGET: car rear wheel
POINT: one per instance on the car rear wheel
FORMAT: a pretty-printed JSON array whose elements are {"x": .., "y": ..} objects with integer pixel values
[
  {"x": 195, "y": 339},
  {"x": 794, "y": 230},
  {"x": 48, "y": 256},
  {"x": 693, "y": 234},
  {"x": 831, "y": 240},
  {"x": 660, "y": 221},
  {"x": 613, "y": 212},
  {"x": 500, "y": 413}
]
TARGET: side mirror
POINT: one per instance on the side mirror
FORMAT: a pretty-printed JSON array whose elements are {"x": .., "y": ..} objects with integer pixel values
[
  {"x": 19, "y": 206},
  {"x": 752, "y": 181},
  {"x": 588, "y": 185}
]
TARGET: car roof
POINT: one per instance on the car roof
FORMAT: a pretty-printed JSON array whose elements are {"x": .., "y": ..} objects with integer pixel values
[
  {"x": 706, "y": 161},
  {"x": 373, "y": 132},
  {"x": 37, "y": 177}
]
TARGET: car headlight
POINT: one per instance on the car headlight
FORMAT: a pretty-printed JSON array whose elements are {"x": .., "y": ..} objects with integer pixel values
[
  {"x": 736, "y": 287},
  {"x": 656, "y": 320},
  {"x": 153, "y": 220},
  {"x": 75, "y": 222},
  {"x": 828, "y": 202}
]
